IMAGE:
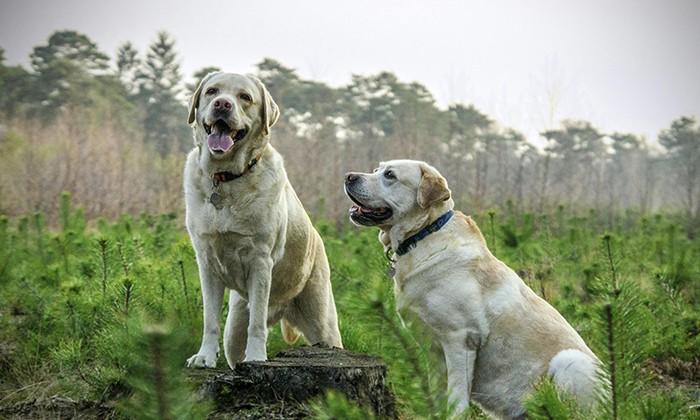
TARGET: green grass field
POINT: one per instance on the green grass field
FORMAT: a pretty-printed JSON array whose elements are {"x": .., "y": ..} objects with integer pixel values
[{"x": 88, "y": 309}]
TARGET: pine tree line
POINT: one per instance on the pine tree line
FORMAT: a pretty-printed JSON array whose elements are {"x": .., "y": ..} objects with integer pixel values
[
  {"x": 75, "y": 91},
  {"x": 71, "y": 74}
]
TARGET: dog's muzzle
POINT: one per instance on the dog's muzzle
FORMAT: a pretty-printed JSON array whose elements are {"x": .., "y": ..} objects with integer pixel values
[
  {"x": 361, "y": 213},
  {"x": 221, "y": 136}
]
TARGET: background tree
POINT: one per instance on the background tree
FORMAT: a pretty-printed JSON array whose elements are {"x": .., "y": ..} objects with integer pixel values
[
  {"x": 282, "y": 82},
  {"x": 197, "y": 77},
  {"x": 72, "y": 47},
  {"x": 465, "y": 126},
  {"x": 159, "y": 95},
  {"x": 631, "y": 174},
  {"x": 682, "y": 140},
  {"x": 577, "y": 159},
  {"x": 15, "y": 85},
  {"x": 370, "y": 101},
  {"x": 80, "y": 117},
  {"x": 67, "y": 71},
  {"x": 128, "y": 63}
]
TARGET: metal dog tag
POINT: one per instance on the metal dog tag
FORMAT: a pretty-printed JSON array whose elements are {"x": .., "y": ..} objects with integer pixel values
[
  {"x": 391, "y": 272},
  {"x": 217, "y": 200}
]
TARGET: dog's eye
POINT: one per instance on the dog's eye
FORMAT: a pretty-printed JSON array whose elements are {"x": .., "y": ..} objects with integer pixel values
[
  {"x": 245, "y": 97},
  {"x": 389, "y": 174},
  {"x": 212, "y": 91}
]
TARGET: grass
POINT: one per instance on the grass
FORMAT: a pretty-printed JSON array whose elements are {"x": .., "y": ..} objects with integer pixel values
[{"x": 108, "y": 311}]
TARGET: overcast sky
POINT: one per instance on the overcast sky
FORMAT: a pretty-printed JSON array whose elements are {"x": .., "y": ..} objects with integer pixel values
[{"x": 625, "y": 65}]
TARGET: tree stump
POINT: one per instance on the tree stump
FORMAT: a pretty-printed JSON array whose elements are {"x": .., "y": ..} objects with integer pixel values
[{"x": 279, "y": 387}]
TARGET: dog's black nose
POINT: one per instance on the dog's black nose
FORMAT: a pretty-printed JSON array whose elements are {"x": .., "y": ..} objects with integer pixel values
[
  {"x": 222, "y": 104},
  {"x": 351, "y": 177}
]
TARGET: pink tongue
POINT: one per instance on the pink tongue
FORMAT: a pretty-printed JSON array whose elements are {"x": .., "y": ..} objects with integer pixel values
[{"x": 219, "y": 142}]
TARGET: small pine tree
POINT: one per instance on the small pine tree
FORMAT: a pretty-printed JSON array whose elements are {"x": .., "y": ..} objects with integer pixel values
[
  {"x": 547, "y": 402},
  {"x": 336, "y": 406},
  {"x": 621, "y": 326},
  {"x": 160, "y": 390}
]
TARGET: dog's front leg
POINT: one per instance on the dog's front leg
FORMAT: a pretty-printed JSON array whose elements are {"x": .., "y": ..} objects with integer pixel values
[
  {"x": 460, "y": 355},
  {"x": 212, "y": 297},
  {"x": 258, "y": 301}
]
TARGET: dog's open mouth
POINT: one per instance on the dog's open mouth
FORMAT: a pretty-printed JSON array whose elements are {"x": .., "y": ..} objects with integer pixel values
[
  {"x": 367, "y": 215},
  {"x": 221, "y": 137}
]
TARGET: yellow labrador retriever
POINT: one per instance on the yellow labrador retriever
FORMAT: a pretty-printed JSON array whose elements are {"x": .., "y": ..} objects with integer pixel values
[
  {"x": 248, "y": 228},
  {"x": 497, "y": 335}
]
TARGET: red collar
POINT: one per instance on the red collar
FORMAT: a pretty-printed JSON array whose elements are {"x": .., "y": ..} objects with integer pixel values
[{"x": 227, "y": 176}]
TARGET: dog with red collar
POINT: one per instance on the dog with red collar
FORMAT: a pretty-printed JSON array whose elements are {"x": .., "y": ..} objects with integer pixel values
[{"x": 248, "y": 228}]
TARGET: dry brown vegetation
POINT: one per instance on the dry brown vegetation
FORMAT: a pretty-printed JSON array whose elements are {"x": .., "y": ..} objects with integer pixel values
[{"x": 108, "y": 170}]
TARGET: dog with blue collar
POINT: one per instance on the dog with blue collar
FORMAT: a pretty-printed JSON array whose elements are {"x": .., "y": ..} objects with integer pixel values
[{"x": 498, "y": 337}]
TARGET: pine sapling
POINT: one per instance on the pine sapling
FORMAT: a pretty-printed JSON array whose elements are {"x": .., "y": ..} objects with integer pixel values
[
  {"x": 611, "y": 357},
  {"x": 611, "y": 262},
  {"x": 5, "y": 241},
  {"x": 65, "y": 211},
  {"x": 543, "y": 290},
  {"x": 548, "y": 402},
  {"x": 102, "y": 245},
  {"x": 60, "y": 242},
  {"x": 122, "y": 259},
  {"x": 71, "y": 313},
  {"x": 39, "y": 226},
  {"x": 23, "y": 230},
  {"x": 155, "y": 338},
  {"x": 128, "y": 288},
  {"x": 183, "y": 282},
  {"x": 492, "y": 217},
  {"x": 413, "y": 359},
  {"x": 622, "y": 330},
  {"x": 161, "y": 390}
]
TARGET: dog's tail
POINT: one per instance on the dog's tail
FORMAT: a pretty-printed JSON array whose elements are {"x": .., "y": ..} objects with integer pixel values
[{"x": 289, "y": 333}]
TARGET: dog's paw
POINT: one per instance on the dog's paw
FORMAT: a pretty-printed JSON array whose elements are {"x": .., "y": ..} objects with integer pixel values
[
  {"x": 255, "y": 359},
  {"x": 202, "y": 361},
  {"x": 255, "y": 350},
  {"x": 255, "y": 356}
]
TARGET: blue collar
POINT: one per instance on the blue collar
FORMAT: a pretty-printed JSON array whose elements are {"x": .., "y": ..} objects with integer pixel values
[{"x": 411, "y": 242}]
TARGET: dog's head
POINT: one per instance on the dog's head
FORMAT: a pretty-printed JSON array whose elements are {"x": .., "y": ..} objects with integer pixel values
[
  {"x": 406, "y": 192},
  {"x": 231, "y": 111}
]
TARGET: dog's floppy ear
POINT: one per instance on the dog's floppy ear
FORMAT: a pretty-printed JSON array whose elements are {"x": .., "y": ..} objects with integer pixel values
[
  {"x": 269, "y": 111},
  {"x": 432, "y": 188},
  {"x": 194, "y": 103}
]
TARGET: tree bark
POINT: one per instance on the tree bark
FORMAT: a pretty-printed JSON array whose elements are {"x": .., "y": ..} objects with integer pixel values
[{"x": 280, "y": 386}]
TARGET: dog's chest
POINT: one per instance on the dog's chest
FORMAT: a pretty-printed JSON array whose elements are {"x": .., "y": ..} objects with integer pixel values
[
  {"x": 229, "y": 239},
  {"x": 239, "y": 209},
  {"x": 413, "y": 281},
  {"x": 424, "y": 298},
  {"x": 204, "y": 219},
  {"x": 408, "y": 289},
  {"x": 227, "y": 257},
  {"x": 444, "y": 295}
]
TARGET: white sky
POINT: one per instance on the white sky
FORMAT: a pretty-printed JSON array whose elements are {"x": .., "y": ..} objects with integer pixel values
[{"x": 624, "y": 65}]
